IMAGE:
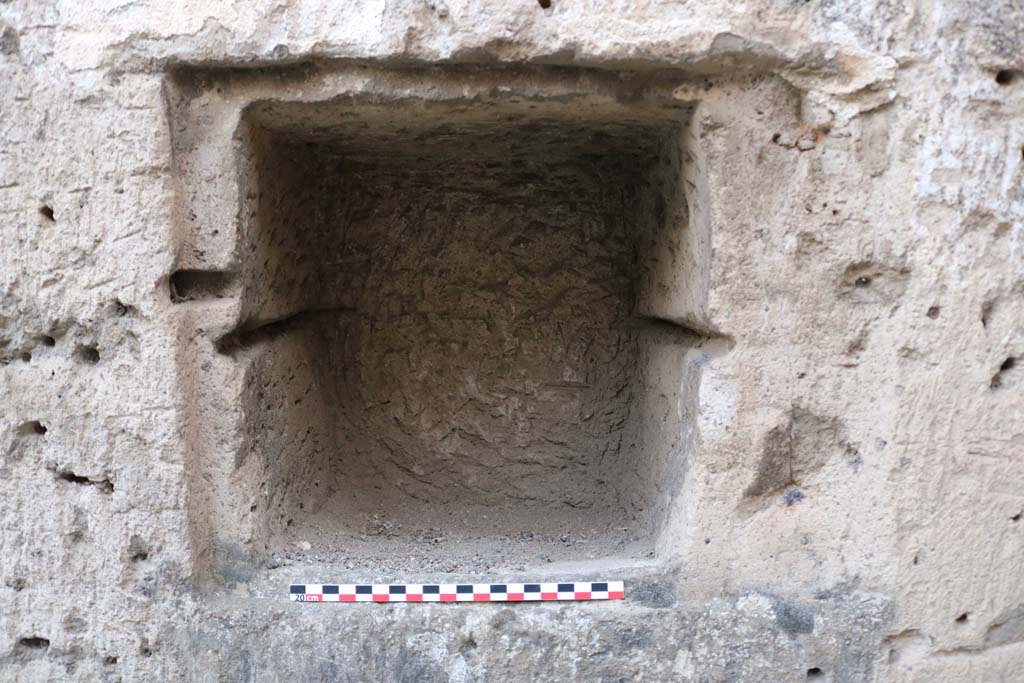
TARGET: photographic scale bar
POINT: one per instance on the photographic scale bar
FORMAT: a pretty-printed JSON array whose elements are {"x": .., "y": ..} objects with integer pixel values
[{"x": 456, "y": 592}]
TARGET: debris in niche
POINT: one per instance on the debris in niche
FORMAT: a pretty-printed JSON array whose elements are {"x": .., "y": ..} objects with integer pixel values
[
  {"x": 459, "y": 592},
  {"x": 276, "y": 561}
]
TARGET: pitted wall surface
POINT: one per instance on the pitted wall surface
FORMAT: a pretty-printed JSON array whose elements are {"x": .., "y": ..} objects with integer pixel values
[{"x": 252, "y": 247}]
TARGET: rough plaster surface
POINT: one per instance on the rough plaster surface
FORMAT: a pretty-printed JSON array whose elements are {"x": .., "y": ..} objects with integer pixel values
[{"x": 825, "y": 330}]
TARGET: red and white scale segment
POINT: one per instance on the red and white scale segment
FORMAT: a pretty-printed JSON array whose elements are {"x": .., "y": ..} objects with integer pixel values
[{"x": 457, "y": 592}]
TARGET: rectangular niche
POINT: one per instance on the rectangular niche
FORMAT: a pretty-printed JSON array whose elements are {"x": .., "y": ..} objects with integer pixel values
[{"x": 451, "y": 329}]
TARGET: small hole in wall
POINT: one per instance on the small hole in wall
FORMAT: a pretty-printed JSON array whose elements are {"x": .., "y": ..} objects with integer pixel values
[
  {"x": 119, "y": 308},
  {"x": 545, "y": 4},
  {"x": 862, "y": 281},
  {"x": 997, "y": 379},
  {"x": 34, "y": 642},
  {"x": 193, "y": 285},
  {"x": 47, "y": 213},
  {"x": 26, "y": 356},
  {"x": 933, "y": 312},
  {"x": 87, "y": 353},
  {"x": 33, "y": 427},
  {"x": 1005, "y": 76},
  {"x": 47, "y": 340},
  {"x": 815, "y": 673},
  {"x": 1015, "y": 518},
  {"x": 110, "y": 661},
  {"x": 962, "y": 619}
]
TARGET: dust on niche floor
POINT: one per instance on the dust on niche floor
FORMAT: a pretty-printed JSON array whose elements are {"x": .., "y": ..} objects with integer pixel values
[{"x": 449, "y": 539}]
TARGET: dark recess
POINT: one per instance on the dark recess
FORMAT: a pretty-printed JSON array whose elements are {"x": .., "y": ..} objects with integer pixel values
[
  {"x": 34, "y": 642},
  {"x": 997, "y": 379},
  {"x": 87, "y": 353},
  {"x": 33, "y": 427},
  {"x": 1006, "y": 76},
  {"x": 194, "y": 285},
  {"x": 104, "y": 485}
]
